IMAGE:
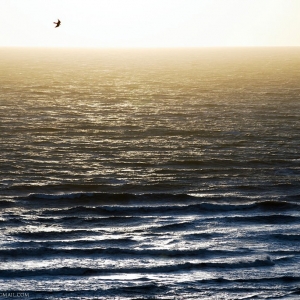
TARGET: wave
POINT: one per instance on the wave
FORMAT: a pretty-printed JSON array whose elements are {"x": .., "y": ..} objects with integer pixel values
[
  {"x": 200, "y": 236},
  {"x": 270, "y": 219},
  {"x": 109, "y": 197},
  {"x": 272, "y": 280},
  {"x": 12, "y": 222},
  {"x": 82, "y": 252},
  {"x": 187, "y": 266},
  {"x": 295, "y": 197},
  {"x": 7, "y": 203},
  {"x": 174, "y": 209},
  {"x": 201, "y": 201},
  {"x": 85, "y": 220},
  {"x": 109, "y": 292},
  {"x": 55, "y": 234},
  {"x": 144, "y": 289},
  {"x": 173, "y": 227},
  {"x": 28, "y": 247},
  {"x": 277, "y": 205},
  {"x": 286, "y": 237}
]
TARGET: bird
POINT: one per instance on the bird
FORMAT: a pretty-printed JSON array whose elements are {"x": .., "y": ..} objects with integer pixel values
[{"x": 57, "y": 23}]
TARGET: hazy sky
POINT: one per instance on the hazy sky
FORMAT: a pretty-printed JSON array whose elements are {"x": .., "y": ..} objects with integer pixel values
[{"x": 150, "y": 23}]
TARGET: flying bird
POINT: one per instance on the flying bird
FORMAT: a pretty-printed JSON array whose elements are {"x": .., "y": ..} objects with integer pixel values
[{"x": 57, "y": 23}]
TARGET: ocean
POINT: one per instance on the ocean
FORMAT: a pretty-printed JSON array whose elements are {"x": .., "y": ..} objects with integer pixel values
[{"x": 150, "y": 173}]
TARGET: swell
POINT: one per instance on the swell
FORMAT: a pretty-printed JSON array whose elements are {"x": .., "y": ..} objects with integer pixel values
[
  {"x": 54, "y": 234},
  {"x": 286, "y": 237},
  {"x": 261, "y": 219},
  {"x": 87, "y": 220},
  {"x": 187, "y": 266},
  {"x": 191, "y": 209},
  {"x": 7, "y": 203},
  {"x": 83, "y": 252},
  {"x": 260, "y": 280},
  {"x": 207, "y": 202},
  {"x": 109, "y": 197}
]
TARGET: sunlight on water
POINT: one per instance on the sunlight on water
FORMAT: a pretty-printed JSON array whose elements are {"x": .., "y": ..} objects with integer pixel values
[{"x": 165, "y": 173}]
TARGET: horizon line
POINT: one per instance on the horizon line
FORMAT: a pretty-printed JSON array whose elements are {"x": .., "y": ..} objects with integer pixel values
[{"x": 143, "y": 47}]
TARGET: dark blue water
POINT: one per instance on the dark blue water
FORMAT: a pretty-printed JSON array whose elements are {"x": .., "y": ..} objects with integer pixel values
[{"x": 150, "y": 174}]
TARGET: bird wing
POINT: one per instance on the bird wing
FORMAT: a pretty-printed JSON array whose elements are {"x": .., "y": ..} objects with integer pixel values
[{"x": 57, "y": 23}]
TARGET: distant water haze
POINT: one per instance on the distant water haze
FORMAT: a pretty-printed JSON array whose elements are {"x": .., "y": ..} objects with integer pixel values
[{"x": 176, "y": 119}]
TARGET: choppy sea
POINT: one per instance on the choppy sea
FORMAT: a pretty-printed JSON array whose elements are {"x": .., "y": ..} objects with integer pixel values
[{"x": 150, "y": 174}]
